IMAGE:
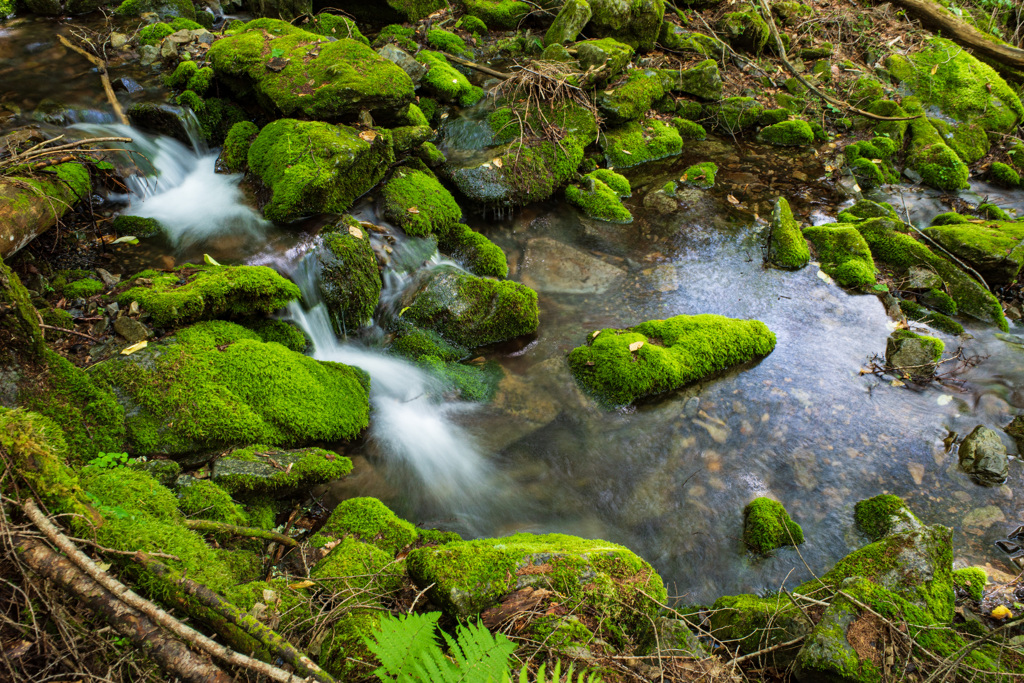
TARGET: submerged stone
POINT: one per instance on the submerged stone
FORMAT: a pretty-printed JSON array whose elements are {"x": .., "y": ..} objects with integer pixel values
[
  {"x": 553, "y": 266},
  {"x": 983, "y": 456},
  {"x": 621, "y": 366}
]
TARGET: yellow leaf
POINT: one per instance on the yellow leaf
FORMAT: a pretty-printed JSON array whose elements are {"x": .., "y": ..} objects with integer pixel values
[
  {"x": 1001, "y": 612},
  {"x": 497, "y": 161},
  {"x": 413, "y": 209},
  {"x": 301, "y": 584},
  {"x": 934, "y": 69},
  {"x": 635, "y": 346},
  {"x": 134, "y": 347},
  {"x": 368, "y": 135},
  {"x": 897, "y": 383},
  {"x": 209, "y": 260},
  {"x": 355, "y": 232},
  {"x": 401, "y": 312},
  {"x": 594, "y": 336}
]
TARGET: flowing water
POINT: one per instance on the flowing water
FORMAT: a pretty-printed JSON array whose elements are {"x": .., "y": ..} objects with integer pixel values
[{"x": 669, "y": 477}]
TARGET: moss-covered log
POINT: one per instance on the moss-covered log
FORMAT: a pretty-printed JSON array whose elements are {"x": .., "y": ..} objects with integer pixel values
[
  {"x": 31, "y": 205},
  {"x": 935, "y": 16}
]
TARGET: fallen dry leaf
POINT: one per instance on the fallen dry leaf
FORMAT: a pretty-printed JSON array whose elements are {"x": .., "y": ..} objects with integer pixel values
[
  {"x": 368, "y": 135},
  {"x": 413, "y": 209},
  {"x": 635, "y": 346},
  {"x": 134, "y": 347},
  {"x": 355, "y": 232}
]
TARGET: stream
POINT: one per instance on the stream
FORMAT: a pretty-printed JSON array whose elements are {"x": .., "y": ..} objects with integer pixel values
[{"x": 668, "y": 477}]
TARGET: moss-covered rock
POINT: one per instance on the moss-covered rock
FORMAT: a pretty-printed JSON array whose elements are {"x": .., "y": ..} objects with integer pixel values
[
  {"x": 294, "y": 72},
  {"x": 702, "y": 80},
  {"x": 844, "y": 254},
  {"x": 636, "y": 23},
  {"x": 165, "y": 9},
  {"x": 913, "y": 354},
  {"x": 995, "y": 249},
  {"x": 621, "y": 366},
  {"x": 700, "y": 175},
  {"x": 470, "y": 311},
  {"x": 606, "y": 56},
  {"x": 570, "y": 20},
  {"x": 734, "y": 114},
  {"x": 787, "y": 247},
  {"x": 639, "y": 142},
  {"x": 284, "y": 333},
  {"x": 971, "y": 580},
  {"x": 349, "y": 278},
  {"x": 750, "y": 623},
  {"x": 335, "y": 26},
  {"x": 870, "y": 161},
  {"x": 681, "y": 39},
  {"x": 203, "y": 499},
  {"x": 929, "y": 155},
  {"x": 631, "y": 99},
  {"x": 767, "y": 526},
  {"x": 787, "y": 134},
  {"x": 472, "y": 24},
  {"x": 313, "y": 167},
  {"x": 418, "y": 203},
  {"x": 136, "y": 226},
  {"x": 217, "y": 383},
  {"x": 689, "y": 130},
  {"x": 745, "y": 30},
  {"x": 260, "y": 472},
  {"x": 152, "y": 34},
  {"x": 498, "y": 14},
  {"x": 478, "y": 254},
  {"x": 367, "y": 520},
  {"x": 883, "y": 515},
  {"x": 352, "y": 568},
  {"x": 235, "y": 152},
  {"x": 446, "y": 82},
  {"x": 602, "y": 581},
  {"x": 917, "y": 313},
  {"x": 31, "y": 203},
  {"x": 598, "y": 200}
]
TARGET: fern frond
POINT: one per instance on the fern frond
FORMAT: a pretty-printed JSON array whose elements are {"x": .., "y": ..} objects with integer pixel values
[
  {"x": 399, "y": 644},
  {"x": 478, "y": 654}
]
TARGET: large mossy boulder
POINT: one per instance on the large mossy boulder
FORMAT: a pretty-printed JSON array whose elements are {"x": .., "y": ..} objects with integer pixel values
[
  {"x": 636, "y": 23},
  {"x": 217, "y": 384},
  {"x": 447, "y": 83},
  {"x": 470, "y": 311},
  {"x": 367, "y": 520},
  {"x": 621, "y": 366},
  {"x": 313, "y": 167},
  {"x": 296, "y": 73},
  {"x": 191, "y": 293},
  {"x": 349, "y": 277},
  {"x": 844, "y": 254},
  {"x": 498, "y": 14},
  {"x": 570, "y": 20},
  {"x": 883, "y": 515},
  {"x": 964, "y": 89},
  {"x": 414, "y": 200},
  {"x": 260, "y": 472},
  {"x": 751, "y": 623},
  {"x": 995, "y": 249},
  {"x": 31, "y": 203},
  {"x": 745, "y": 30},
  {"x": 787, "y": 247},
  {"x": 603, "y": 582},
  {"x": 638, "y": 142}
]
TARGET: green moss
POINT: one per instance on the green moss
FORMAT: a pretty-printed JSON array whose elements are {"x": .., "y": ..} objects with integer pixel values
[
  {"x": 236, "y": 145},
  {"x": 680, "y": 39},
  {"x": 165, "y": 9},
  {"x": 787, "y": 248},
  {"x": 191, "y": 293},
  {"x": 767, "y": 526},
  {"x": 58, "y": 318},
  {"x": 478, "y": 254},
  {"x": 446, "y": 41},
  {"x": 844, "y": 254},
  {"x": 284, "y": 333},
  {"x": 639, "y": 142},
  {"x": 352, "y": 568},
  {"x": 689, "y": 130},
  {"x": 938, "y": 164},
  {"x": 877, "y": 516},
  {"x": 468, "y": 382},
  {"x": 350, "y": 280},
  {"x": 498, "y": 14},
  {"x": 136, "y": 226},
  {"x": 940, "y": 301},
  {"x": 248, "y": 473},
  {"x": 202, "y": 499},
  {"x": 734, "y": 114},
  {"x": 950, "y": 218},
  {"x": 314, "y": 167},
  {"x": 317, "y": 79},
  {"x": 189, "y": 75},
  {"x": 603, "y": 581},
  {"x": 870, "y": 161},
  {"x": 598, "y": 200},
  {"x": 700, "y": 175},
  {"x": 971, "y": 580},
  {"x": 83, "y": 289},
  {"x": 674, "y": 352},
  {"x": 217, "y": 383},
  {"x": 750, "y": 623},
  {"x": 398, "y": 34},
  {"x": 367, "y": 520},
  {"x": 745, "y": 30},
  {"x": 335, "y": 26},
  {"x": 417, "y": 202},
  {"x": 446, "y": 82},
  {"x": 472, "y": 311},
  {"x": 631, "y": 99},
  {"x": 415, "y": 342},
  {"x": 1004, "y": 175},
  {"x": 918, "y": 313},
  {"x": 471, "y": 24},
  {"x": 995, "y": 249},
  {"x": 932, "y": 345},
  {"x": 993, "y": 212},
  {"x": 606, "y": 55},
  {"x": 431, "y": 155},
  {"x": 62, "y": 186},
  {"x": 153, "y": 34},
  {"x": 164, "y": 471}
]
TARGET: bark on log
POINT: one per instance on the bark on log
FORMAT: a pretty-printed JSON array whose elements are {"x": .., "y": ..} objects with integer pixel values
[
  {"x": 207, "y": 527},
  {"x": 936, "y": 17},
  {"x": 171, "y": 654},
  {"x": 29, "y": 207},
  {"x": 269, "y": 639}
]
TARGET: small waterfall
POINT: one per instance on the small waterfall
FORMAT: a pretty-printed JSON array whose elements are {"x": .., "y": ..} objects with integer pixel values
[{"x": 179, "y": 187}]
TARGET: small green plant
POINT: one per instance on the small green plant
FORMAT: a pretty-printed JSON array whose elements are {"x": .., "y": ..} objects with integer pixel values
[
  {"x": 276, "y": 52},
  {"x": 108, "y": 461}
]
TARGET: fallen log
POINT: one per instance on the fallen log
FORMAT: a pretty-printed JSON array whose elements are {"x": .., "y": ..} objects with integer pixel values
[
  {"x": 207, "y": 527},
  {"x": 31, "y": 205},
  {"x": 171, "y": 654},
  {"x": 936, "y": 17}
]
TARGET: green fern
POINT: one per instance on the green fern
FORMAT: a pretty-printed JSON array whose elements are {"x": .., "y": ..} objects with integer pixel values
[
  {"x": 556, "y": 675},
  {"x": 409, "y": 652}
]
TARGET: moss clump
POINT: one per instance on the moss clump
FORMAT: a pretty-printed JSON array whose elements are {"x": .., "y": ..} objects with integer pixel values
[
  {"x": 787, "y": 248},
  {"x": 671, "y": 353},
  {"x": 431, "y": 155},
  {"x": 619, "y": 184},
  {"x": 498, "y": 14},
  {"x": 631, "y": 99},
  {"x": 689, "y": 130},
  {"x": 950, "y": 218},
  {"x": 639, "y": 142},
  {"x": 446, "y": 41},
  {"x": 279, "y": 331},
  {"x": 446, "y": 82},
  {"x": 165, "y": 9},
  {"x": 336, "y": 26},
  {"x": 471, "y": 24},
  {"x": 42, "y": 197},
  {"x": 918, "y": 313},
  {"x": 844, "y": 254},
  {"x": 879, "y": 516},
  {"x": 767, "y": 526},
  {"x": 367, "y": 520},
  {"x": 417, "y": 202},
  {"x": 932, "y": 345},
  {"x": 478, "y": 254},
  {"x": 189, "y": 76},
  {"x": 153, "y": 34},
  {"x": 215, "y": 116},
  {"x": 637, "y": 24},
  {"x": 929, "y": 155},
  {"x": 940, "y": 301},
  {"x": 993, "y": 212},
  {"x": 415, "y": 342},
  {"x": 751, "y": 623},
  {"x": 249, "y": 473},
  {"x": 734, "y": 114},
  {"x": 315, "y": 167},
  {"x": 350, "y": 280},
  {"x": 398, "y": 34},
  {"x": 606, "y": 55},
  {"x": 311, "y": 77},
  {"x": 745, "y": 30},
  {"x": 787, "y": 134},
  {"x": 700, "y": 175},
  {"x": 202, "y": 499},
  {"x": 995, "y": 249},
  {"x": 190, "y": 293},
  {"x": 598, "y": 200},
  {"x": 602, "y": 580},
  {"x": 870, "y": 161},
  {"x": 1004, "y": 175},
  {"x": 471, "y": 311},
  {"x": 971, "y": 580},
  {"x": 235, "y": 152},
  {"x": 136, "y": 226},
  {"x": 217, "y": 384},
  {"x": 83, "y": 289},
  {"x": 352, "y": 568}
]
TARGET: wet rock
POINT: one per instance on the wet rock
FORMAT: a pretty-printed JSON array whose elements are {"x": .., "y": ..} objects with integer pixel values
[
  {"x": 148, "y": 54},
  {"x": 553, "y": 266},
  {"x": 606, "y": 56},
  {"x": 109, "y": 281},
  {"x": 117, "y": 41},
  {"x": 570, "y": 20},
  {"x": 350, "y": 281},
  {"x": 132, "y": 330},
  {"x": 158, "y": 118},
  {"x": 677, "y": 640},
  {"x": 168, "y": 49},
  {"x": 995, "y": 249},
  {"x": 919, "y": 277},
  {"x": 787, "y": 247},
  {"x": 262, "y": 471},
  {"x": 702, "y": 80},
  {"x": 914, "y": 355},
  {"x": 635, "y": 23},
  {"x": 983, "y": 456},
  {"x": 404, "y": 60},
  {"x": 660, "y": 202},
  {"x": 1016, "y": 430}
]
